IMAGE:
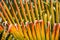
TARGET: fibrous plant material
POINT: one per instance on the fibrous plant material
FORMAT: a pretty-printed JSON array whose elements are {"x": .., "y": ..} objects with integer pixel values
[{"x": 30, "y": 20}]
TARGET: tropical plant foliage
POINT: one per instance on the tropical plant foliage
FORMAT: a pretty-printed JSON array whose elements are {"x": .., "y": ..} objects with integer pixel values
[{"x": 29, "y": 20}]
